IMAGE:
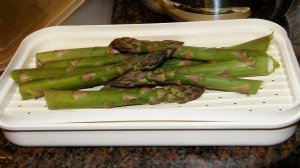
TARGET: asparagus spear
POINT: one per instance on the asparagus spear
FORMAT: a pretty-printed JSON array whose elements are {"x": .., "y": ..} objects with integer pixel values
[
  {"x": 93, "y": 61},
  {"x": 132, "y": 45},
  {"x": 179, "y": 62},
  {"x": 121, "y": 97},
  {"x": 259, "y": 66},
  {"x": 91, "y": 79},
  {"x": 56, "y": 55},
  {"x": 21, "y": 76},
  {"x": 138, "y": 78},
  {"x": 215, "y": 54},
  {"x": 86, "y": 80}
]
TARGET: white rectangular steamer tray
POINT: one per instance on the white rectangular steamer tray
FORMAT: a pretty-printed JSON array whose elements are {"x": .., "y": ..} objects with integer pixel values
[{"x": 275, "y": 106}]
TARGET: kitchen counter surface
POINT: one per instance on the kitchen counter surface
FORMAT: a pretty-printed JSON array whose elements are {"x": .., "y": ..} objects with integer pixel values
[{"x": 127, "y": 12}]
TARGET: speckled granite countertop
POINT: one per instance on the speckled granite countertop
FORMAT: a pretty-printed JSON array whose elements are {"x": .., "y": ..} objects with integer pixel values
[{"x": 126, "y": 12}]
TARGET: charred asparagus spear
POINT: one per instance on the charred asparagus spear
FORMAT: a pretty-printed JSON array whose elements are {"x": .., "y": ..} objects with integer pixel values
[
  {"x": 139, "y": 78},
  {"x": 91, "y": 79},
  {"x": 109, "y": 98},
  {"x": 57, "y": 55}
]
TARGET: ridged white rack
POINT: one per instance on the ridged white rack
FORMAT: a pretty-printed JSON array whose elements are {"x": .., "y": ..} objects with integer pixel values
[{"x": 275, "y": 107}]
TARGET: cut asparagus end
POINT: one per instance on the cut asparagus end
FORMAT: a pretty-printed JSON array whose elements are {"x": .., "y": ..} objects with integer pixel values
[
  {"x": 261, "y": 43},
  {"x": 275, "y": 64},
  {"x": 232, "y": 84},
  {"x": 251, "y": 87},
  {"x": 15, "y": 76},
  {"x": 254, "y": 86}
]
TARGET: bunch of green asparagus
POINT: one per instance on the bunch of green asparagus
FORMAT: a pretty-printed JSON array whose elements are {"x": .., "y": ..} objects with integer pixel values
[{"x": 143, "y": 72}]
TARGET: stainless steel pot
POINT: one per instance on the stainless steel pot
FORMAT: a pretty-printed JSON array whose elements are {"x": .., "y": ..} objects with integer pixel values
[{"x": 188, "y": 10}]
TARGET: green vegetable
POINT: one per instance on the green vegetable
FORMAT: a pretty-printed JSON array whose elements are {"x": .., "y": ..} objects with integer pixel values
[
  {"x": 109, "y": 98},
  {"x": 91, "y": 79},
  {"x": 93, "y": 61},
  {"x": 233, "y": 84},
  {"x": 132, "y": 45},
  {"x": 257, "y": 66},
  {"x": 56, "y": 55},
  {"x": 261, "y": 44}
]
